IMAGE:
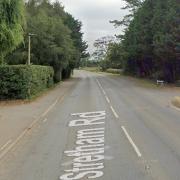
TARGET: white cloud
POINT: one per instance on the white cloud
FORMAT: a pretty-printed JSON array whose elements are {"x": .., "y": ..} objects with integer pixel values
[{"x": 95, "y": 16}]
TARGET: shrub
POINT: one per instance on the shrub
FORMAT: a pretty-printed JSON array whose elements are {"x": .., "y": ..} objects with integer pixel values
[{"x": 23, "y": 81}]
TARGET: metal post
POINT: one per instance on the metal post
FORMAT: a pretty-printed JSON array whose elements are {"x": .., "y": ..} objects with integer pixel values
[{"x": 29, "y": 51}]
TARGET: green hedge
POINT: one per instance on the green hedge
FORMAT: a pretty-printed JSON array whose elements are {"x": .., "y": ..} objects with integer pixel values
[{"x": 24, "y": 81}]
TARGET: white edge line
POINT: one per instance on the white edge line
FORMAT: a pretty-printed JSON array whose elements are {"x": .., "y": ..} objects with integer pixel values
[
  {"x": 50, "y": 107},
  {"x": 131, "y": 142},
  {"x": 114, "y": 112},
  {"x": 45, "y": 120},
  {"x": 5, "y": 145},
  {"x": 29, "y": 127},
  {"x": 13, "y": 144}
]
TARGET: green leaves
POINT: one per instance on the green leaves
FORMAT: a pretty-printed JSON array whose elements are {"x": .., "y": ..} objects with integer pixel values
[
  {"x": 58, "y": 41},
  {"x": 24, "y": 81},
  {"x": 11, "y": 22},
  {"x": 151, "y": 39}
]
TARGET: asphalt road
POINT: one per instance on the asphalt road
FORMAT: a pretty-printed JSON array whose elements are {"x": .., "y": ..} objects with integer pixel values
[{"x": 107, "y": 128}]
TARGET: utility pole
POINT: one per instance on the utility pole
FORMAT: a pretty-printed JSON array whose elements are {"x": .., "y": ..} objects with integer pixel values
[{"x": 29, "y": 48}]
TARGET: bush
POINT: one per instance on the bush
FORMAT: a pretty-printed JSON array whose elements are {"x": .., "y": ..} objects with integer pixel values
[{"x": 24, "y": 81}]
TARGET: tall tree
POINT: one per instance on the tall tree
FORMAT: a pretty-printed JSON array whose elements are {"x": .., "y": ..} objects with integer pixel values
[
  {"x": 11, "y": 22},
  {"x": 58, "y": 39},
  {"x": 151, "y": 43}
]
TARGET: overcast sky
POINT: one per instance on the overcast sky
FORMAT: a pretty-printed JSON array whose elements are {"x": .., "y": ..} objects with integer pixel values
[{"x": 95, "y": 16}]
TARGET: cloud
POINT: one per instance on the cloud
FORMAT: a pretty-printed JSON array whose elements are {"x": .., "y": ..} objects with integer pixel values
[{"x": 95, "y": 16}]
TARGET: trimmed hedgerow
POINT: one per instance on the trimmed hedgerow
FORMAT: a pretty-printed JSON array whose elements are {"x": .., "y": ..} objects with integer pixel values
[{"x": 24, "y": 81}]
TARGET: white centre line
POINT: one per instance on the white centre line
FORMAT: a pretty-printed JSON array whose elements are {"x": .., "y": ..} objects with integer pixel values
[
  {"x": 104, "y": 92},
  {"x": 114, "y": 112},
  {"x": 101, "y": 87},
  {"x": 5, "y": 145},
  {"x": 131, "y": 142},
  {"x": 107, "y": 99}
]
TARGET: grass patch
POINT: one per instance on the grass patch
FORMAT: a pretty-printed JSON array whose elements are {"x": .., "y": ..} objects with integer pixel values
[
  {"x": 114, "y": 71},
  {"x": 92, "y": 69},
  {"x": 146, "y": 83},
  {"x": 176, "y": 101}
]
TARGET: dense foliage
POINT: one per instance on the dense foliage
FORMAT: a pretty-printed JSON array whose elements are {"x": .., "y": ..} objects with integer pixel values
[
  {"x": 57, "y": 41},
  {"x": 150, "y": 46},
  {"x": 24, "y": 81},
  {"x": 11, "y": 22}
]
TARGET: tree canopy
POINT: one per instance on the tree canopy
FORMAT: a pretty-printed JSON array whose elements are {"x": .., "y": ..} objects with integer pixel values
[
  {"x": 11, "y": 26},
  {"x": 150, "y": 46},
  {"x": 58, "y": 39}
]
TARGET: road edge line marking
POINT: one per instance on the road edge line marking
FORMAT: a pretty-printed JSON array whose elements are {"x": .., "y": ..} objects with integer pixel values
[
  {"x": 45, "y": 120},
  {"x": 13, "y": 144},
  {"x": 49, "y": 108},
  {"x": 59, "y": 99},
  {"x": 136, "y": 149},
  {"x": 5, "y": 145},
  {"x": 114, "y": 112}
]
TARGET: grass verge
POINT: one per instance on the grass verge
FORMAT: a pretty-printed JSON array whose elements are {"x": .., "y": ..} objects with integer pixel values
[{"x": 176, "y": 101}]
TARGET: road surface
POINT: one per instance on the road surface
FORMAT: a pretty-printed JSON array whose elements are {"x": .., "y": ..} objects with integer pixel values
[{"x": 106, "y": 128}]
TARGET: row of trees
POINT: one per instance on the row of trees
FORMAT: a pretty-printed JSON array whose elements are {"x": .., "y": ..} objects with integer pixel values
[
  {"x": 150, "y": 46},
  {"x": 57, "y": 41}
]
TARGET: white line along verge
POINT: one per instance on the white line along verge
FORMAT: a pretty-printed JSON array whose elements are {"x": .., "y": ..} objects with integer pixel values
[
  {"x": 131, "y": 142},
  {"x": 88, "y": 155},
  {"x": 5, "y": 145},
  {"x": 7, "y": 149},
  {"x": 13, "y": 144},
  {"x": 50, "y": 107},
  {"x": 114, "y": 112},
  {"x": 45, "y": 120}
]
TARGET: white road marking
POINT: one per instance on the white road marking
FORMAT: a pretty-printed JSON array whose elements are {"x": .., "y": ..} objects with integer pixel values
[
  {"x": 99, "y": 84},
  {"x": 107, "y": 99},
  {"x": 50, "y": 107},
  {"x": 45, "y": 120},
  {"x": 6, "y": 150},
  {"x": 5, "y": 145},
  {"x": 101, "y": 87},
  {"x": 104, "y": 92},
  {"x": 131, "y": 142},
  {"x": 13, "y": 144},
  {"x": 89, "y": 151},
  {"x": 114, "y": 112}
]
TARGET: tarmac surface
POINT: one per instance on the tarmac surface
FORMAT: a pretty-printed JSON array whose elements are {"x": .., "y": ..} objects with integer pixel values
[{"x": 93, "y": 126}]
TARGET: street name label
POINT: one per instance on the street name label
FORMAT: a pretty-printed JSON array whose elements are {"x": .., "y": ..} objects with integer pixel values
[{"x": 88, "y": 155}]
